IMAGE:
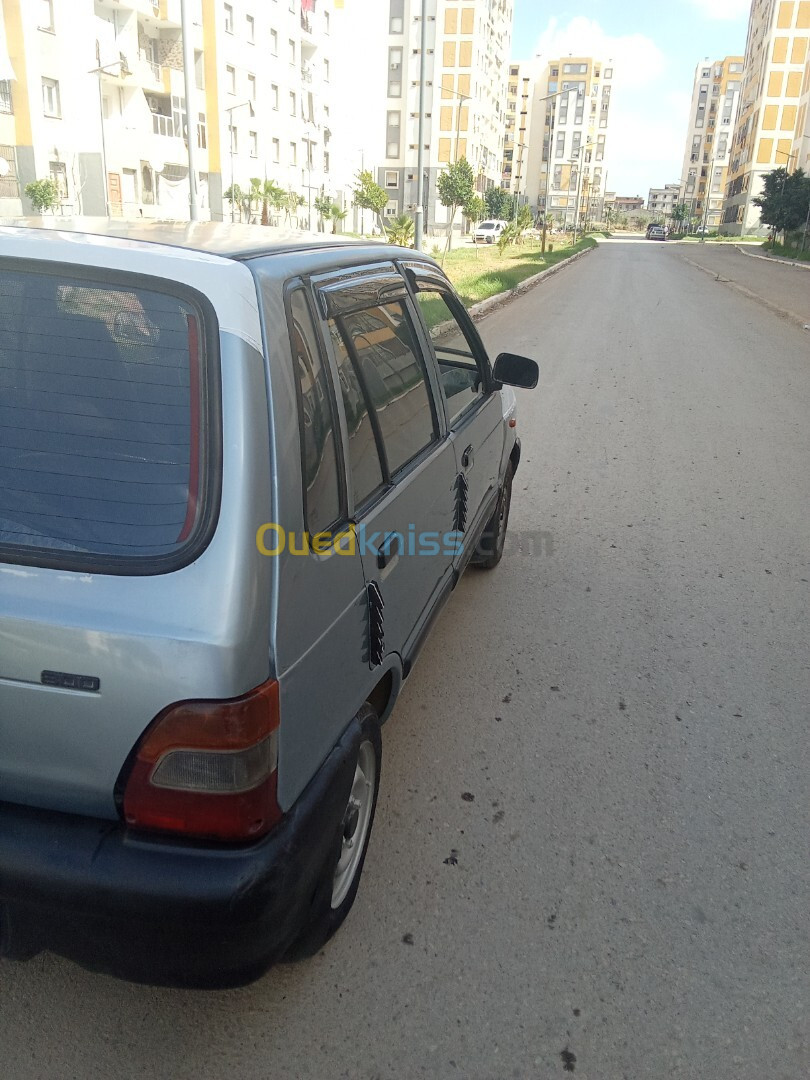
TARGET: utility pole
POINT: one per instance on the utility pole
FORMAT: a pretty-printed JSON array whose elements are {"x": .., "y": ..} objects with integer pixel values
[
  {"x": 419, "y": 213},
  {"x": 191, "y": 114}
]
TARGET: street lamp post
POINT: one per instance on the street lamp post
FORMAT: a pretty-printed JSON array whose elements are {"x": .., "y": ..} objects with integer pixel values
[
  {"x": 99, "y": 70},
  {"x": 230, "y": 111},
  {"x": 419, "y": 213}
]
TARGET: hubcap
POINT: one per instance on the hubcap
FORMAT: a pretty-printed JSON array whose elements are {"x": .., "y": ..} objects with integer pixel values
[{"x": 356, "y": 822}]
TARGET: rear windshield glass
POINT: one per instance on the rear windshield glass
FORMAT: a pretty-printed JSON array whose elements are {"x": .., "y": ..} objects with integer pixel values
[{"x": 100, "y": 406}]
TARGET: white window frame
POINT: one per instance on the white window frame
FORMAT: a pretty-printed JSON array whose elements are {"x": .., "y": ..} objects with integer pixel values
[{"x": 50, "y": 89}]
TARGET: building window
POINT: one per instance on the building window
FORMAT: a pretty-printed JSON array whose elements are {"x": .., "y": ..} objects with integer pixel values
[
  {"x": 291, "y": 44},
  {"x": 228, "y": 19},
  {"x": 276, "y": 151},
  {"x": 292, "y": 103},
  {"x": 326, "y": 70},
  {"x": 393, "y": 134},
  {"x": 326, "y": 22},
  {"x": 250, "y": 29},
  {"x": 274, "y": 96},
  {"x": 6, "y": 105},
  {"x": 251, "y": 81},
  {"x": 392, "y": 179},
  {"x": 253, "y": 140},
  {"x": 234, "y": 139},
  {"x": 58, "y": 173},
  {"x": 608, "y": 73},
  {"x": 273, "y": 43},
  {"x": 230, "y": 79},
  {"x": 202, "y": 134},
  {"x": 293, "y": 154},
  {"x": 50, "y": 98},
  {"x": 45, "y": 15}
]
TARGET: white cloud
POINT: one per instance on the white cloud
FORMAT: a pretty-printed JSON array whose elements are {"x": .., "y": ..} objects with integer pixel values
[
  {"x": 722, "y": 10},
  {"x": 638, "y": 59},
  {"x": 648, "y": 117}
]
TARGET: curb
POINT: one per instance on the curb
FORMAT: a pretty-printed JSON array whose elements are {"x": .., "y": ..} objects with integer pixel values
[
  {"x": 791, "y": 316},
  {"x": 485, "y": 307},
  {"x": 773, "y": 259}
]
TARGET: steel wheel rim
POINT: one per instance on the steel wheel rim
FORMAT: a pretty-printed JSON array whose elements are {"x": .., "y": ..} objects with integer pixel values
[{"x": 356, "y": 823}]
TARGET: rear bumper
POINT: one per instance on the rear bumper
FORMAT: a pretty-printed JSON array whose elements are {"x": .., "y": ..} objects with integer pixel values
[{"x": 155, "y": 911}]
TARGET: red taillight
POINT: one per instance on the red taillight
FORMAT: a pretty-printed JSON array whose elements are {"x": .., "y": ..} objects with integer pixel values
[{"x": 208, "y": 769}]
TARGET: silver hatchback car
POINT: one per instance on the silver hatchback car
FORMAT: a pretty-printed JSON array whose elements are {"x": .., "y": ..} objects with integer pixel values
[{"x": 241, "y": 474}]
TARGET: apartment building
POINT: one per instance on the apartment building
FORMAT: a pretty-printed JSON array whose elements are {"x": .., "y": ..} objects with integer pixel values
[
  {"x": 712, "y": 115},
  {"x": 772, "y": 129},
  {"x": 628, "y": 204},
  {"x": 517, "y": 128},
  {"x": 93, "y": 95},
  {"x": 466, "y": 74},
  {"x": 662, "y": 201},
  {"x": 568, "y": 140}
]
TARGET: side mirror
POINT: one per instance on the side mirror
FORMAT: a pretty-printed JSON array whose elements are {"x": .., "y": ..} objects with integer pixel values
[{"x": 516, "y": 370}]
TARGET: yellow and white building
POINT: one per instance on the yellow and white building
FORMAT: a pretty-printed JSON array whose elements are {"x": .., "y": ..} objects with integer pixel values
[
  {"x": 466, "y": 72},
  {"x": 92, "y": 93},
  {"x": 712, "y": 116},
  {"x": 773, "y": 127},
  {"x": 566, "y": 169}
]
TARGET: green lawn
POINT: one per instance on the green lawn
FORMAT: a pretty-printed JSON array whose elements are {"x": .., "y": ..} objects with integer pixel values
[{"x": 480, "y": 272}]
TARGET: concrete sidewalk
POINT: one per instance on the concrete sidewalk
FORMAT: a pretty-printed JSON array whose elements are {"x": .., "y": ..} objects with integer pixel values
[{"x": 782, "y": 288}]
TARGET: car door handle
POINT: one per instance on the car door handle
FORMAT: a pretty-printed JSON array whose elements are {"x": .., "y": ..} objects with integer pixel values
[
  {"x": 467, "y": 457},
  {"x": 384, "y": 550}
]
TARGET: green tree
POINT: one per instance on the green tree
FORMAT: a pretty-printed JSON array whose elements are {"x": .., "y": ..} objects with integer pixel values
[
  {"x": 784, "y": 200},
  {"x": 290, "y": 204},
  {"x": 680, "y": 215},
  {"x": 323, "y": 205},
  {"x": 500, "y": 204},
  {"x": 456, "y": 187},
  {"x": 272, "y": 194},
  {"x": 475, "y": 210},
  {"x": 400, "y": 230},
  {"x": 336, "y": 215},
  {"x": 44, "y": 194},
  {"x": 368, "y": 195},
  {"x": 236, "y": 197}
]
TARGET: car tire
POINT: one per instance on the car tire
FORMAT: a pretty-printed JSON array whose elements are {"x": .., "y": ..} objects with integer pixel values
[
  {"x": 489, "y": 239},
  {"x": 490, "y": 547},
  {"x": 340, "y": 877}
]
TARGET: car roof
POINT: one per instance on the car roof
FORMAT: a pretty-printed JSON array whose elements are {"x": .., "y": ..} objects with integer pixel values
[{"x": 210, "y": 237}]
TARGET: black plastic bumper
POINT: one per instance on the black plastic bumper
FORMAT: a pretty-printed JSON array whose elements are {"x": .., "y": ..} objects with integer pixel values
[{"x": 156, "y": 911}]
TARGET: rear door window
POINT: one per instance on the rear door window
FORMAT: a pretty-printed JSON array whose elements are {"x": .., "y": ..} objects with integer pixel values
[
  {"x": 392, "y": 369},
  {"x": 105, "y": 434}
]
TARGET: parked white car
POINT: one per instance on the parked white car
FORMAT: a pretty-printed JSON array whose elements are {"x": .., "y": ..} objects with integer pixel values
[{"x": 489, "y": 231}]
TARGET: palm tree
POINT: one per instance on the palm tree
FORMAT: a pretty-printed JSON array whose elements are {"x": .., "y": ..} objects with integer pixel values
[
  {"x": 400, "y": 230},
  {"x": 336, "y": 215}
]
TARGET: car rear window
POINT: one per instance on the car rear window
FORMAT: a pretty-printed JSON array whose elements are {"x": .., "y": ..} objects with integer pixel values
[{"x": 102, "y": 393}]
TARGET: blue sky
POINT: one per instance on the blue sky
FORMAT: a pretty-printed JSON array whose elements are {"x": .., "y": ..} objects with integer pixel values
[{"x": 655, "y": 47}]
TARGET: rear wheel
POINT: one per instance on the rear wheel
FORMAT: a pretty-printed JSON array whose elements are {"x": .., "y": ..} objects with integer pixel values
[
  {"x": 340, "y": 877},
  {"x": 490, "y": 547}
]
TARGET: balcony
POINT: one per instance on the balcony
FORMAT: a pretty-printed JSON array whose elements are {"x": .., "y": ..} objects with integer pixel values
[{"x": 163, "y": 125}]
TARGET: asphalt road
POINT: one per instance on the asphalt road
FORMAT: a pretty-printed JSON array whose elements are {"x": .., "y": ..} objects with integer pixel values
[{"x": 628, "y": 705}]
